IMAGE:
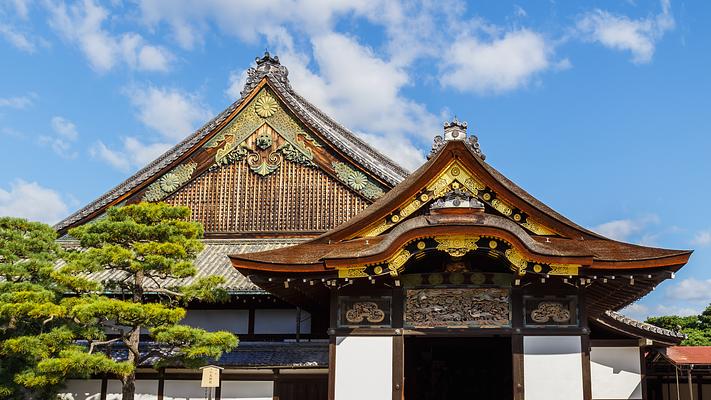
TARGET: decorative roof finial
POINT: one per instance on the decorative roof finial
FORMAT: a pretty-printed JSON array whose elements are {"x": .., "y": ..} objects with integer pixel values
[
  {"x": 456, "y": 130},
  {"x": 266, "y": 66}
]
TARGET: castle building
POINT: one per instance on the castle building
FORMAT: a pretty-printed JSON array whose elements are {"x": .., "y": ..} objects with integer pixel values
[{"x": 352, "y": 278}]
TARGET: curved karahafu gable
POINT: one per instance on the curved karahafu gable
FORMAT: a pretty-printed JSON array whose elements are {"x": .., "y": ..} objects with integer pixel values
[
  {"x": 457, "y": 204},
  {"x": 271, "y": 154}
]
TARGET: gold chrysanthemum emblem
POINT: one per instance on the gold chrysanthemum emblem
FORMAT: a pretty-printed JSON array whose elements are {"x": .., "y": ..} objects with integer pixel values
[
  {"x": 357, "y": 180},
  {"x": 265, "y": 106}
]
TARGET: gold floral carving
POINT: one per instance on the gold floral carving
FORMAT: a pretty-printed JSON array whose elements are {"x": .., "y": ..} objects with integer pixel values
[
  {"x": 457, "y": 246},
  {"x": 352, "y": 273},
  {"x": 265, "y": 106},
  {"x": 366, "y": 310},
  {"x": 170, "y": 182},
  {"x": 232, "y": 146},
  {"x": 357, "y": 180},
  {"x": 550, "y": 310}
]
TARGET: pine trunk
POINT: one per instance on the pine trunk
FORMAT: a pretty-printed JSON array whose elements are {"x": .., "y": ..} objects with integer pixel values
[{"x": 129, "y": 382}]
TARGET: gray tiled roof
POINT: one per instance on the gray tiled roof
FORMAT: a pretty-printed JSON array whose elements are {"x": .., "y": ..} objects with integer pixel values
[
  {"x": 643, "y": 325},
  {"x": 254, "y": 355},
  {"x": 213, "y": 261}
]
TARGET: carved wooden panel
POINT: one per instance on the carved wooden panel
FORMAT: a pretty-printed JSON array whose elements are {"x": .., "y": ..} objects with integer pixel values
[
  {"x": 355, "y": 311},
  {"x": 551, "y": 311},
  {"x": 233, "y": 199},
  {"x": 458, "y": 308}
]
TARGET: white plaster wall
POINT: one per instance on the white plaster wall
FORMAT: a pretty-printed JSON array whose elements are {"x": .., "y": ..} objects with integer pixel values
[
  {"x": 553, "y": 368},
  {"x": 364, "y": 368},
  {"x": 280, "y": 321},
  {"x": 81, "y": 389},
  {"x": 236, "y": 321},
  {"x": 145, "y": 389},
  {"x": 615, "y": 373},
  {"x": 184, "y": 390},
  {"x": 247, "y": 390}
]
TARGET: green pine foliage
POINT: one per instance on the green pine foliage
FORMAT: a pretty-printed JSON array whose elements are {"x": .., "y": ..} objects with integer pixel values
[
  {"x": 38, "y": 349},
  {"x": 697, "y": 328},
  {"x": 143, "y": 246}
]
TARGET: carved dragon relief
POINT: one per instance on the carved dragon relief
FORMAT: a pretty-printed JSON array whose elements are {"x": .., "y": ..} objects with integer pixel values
[
  {"x": 456, "y": 177},
  {"x": 247, "y": 137}
]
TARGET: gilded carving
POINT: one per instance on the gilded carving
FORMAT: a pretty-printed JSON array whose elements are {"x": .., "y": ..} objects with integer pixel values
[
  {"x": 536, "y": 228},
  {"x": 399, "y": 260},
  {"x": 518, "y": 262},
  {"x": 265, "y": 106},
  {"x": 457, "y": 246},
  {"x": 232, "y": 141},
  {"x": 550, "y": 310},
  {"x": 170, "y": 182},
  {"x": 501, "y": 207},
  {"x": 356, "y": 180},
  {"x": 366, "y": 310},
  {"x": 466, "y": 307},
  {"x": 564, "y": 269}
]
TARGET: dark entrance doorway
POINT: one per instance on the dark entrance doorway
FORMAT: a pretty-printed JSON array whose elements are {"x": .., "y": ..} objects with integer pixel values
[{"x": 458, "y": 368}]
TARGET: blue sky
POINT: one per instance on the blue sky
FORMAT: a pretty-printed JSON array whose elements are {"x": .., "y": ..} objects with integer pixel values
[{"x": 600, "y": 109}]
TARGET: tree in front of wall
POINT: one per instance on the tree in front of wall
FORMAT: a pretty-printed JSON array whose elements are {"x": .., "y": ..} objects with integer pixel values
[
  {"x": 697, "y": 328},
  {"x": 38, "y": 349},
  {"x": 144, "y": 247}
]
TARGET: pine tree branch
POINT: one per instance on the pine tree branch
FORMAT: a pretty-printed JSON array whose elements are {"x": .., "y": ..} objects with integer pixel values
[
  {"x": 166, "y": 291},
  {"x": 105, "y": 342}
]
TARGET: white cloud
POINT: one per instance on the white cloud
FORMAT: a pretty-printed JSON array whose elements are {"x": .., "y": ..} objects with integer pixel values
[
  {"x": 191, "y": 20},
  {"x": 18, "y": 39},
  {"x": 81, "y": 24},
  {"x": 638, "y": 36},
  {"x": 18, "y": 102},
  {"x": 171, "y": 112},
  {"x": 691, "y": 289},
  {"x": 65, "y": 133},
  {"x": 22, "y": 8},
  {"x": 702, "y": 238},
  {"x": 502, "y": 64},
  {"x": 32, "y": 201},
  {"x": 623, "y": 229},
  {"x": 133, "y": 154},
  {"x": 641, "y": 312}
]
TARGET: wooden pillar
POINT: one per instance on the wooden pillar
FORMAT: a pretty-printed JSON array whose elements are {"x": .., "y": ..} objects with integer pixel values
[
  {"x": 517, "y": 361},
  {"x": 277, "y": 385},
  {"x": 250, "y": 323},
  {"x": 332, "y": 345},
  {"x": 691, "y": 385},
  {"x": 218, "y": 389},
  {"x": 104, "y": 388},
  {"x": 161, "y": 383},
  {"x": 585, "y": 356},
  {"x": 398, "y": 367},
  {"x": 517, "y": 318}
]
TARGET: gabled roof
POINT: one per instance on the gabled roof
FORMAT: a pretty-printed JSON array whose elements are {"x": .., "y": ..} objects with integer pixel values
[
  {"x": 402, "y": 214},
  {"x": 457, "y": 203},
  {"x": 268, "y": 72}
]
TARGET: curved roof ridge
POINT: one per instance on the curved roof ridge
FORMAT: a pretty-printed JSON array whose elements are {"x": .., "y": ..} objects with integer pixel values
[{"x": 643, "y": 325}]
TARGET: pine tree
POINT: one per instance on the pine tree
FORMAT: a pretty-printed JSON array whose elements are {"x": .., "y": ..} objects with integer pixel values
[
  {"x": 144, "y": 247},
  {"x": 38, "y": 349}
]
